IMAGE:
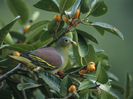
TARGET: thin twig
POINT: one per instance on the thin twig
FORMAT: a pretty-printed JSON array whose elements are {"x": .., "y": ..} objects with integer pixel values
[
  {"x": 6, "y": 75},
  {"x": 64, "y": 32}
]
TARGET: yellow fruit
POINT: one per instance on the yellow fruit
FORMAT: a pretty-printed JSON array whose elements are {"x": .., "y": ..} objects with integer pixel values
[
  {"x": 91, "y": 63},
  {"x": 77, "y": 14},
  {"x": 91, "y": 68},
  {"x": 66, "y": 19},
  {"x": 26, "y": 28},
  {"x": 57, "y": 18},
  {"x": 16, "y": 53},
  {"x": 81, "y": 72},
  {"x": 72, "y": 88}
]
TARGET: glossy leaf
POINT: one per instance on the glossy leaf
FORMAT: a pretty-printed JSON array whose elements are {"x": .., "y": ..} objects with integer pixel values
[
  {"x": 51, "y": 80},
  {"x": 24, "y": 86},
  {"x": 83, "y": 47},
  {"x": 65, "y": 4},
  {"x": 118, "y": 87},
  {"x": 100, "y": 9},
  {"x": 9, "y": 39},
  {"x": 91, "y": 55},
  {"x": 6, "y": 29},
  {"x": 106, "y": 95},
  {"x": 75, "y": 7},
  {"x": 101, "y": 75},
  {"x": 38, "y": 94},
  {"x": 107, "y": 27},
  {"x": 92, "y": 5},
  {"x": 19, "y": 7},
  {"x": 76, "y": 50},
  {"x": 18, "y": 47},
  {"x": 37, "y": 25},
  {"x": 87, "y": 35},
  {"x": 84, "y": 6},
  {"x": 48, "y": 5},
  {"x": 112, "y": 76},
  {"x": 65, "y": 84},
  {"x": 128, "y": 86},
  {"x": 18, "y": 35}
]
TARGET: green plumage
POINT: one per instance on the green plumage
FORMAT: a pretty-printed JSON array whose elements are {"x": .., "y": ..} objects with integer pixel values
[{"x": 52, "y": 58}]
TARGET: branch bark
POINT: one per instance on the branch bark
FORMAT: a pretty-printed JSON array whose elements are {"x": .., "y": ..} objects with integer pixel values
[{"x": 6, "y": 75}]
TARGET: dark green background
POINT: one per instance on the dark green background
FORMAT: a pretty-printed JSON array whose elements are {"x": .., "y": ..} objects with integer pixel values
[{"x": 119, "y": 14}]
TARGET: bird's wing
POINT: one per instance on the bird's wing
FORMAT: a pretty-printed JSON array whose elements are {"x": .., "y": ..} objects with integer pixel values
[{"x": 48, "y": 58}]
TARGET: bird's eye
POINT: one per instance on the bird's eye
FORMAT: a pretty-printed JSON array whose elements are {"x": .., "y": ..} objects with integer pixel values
[{"x": 66, "y": 40}]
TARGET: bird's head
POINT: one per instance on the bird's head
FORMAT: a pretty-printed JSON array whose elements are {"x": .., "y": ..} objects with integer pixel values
[{"x": 65, "y": 41}]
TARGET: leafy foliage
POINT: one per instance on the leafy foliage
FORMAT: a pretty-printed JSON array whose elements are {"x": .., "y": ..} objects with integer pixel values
[{"x": 40, "y": 85}]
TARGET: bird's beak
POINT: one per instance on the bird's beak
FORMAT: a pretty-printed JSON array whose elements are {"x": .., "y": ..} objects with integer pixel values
[{"x": 74, "y": 43}]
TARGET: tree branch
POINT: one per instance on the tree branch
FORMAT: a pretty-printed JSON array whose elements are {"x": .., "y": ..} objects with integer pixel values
[
  {"x": 64, "y": 32},
  {"x": 6, "y": 75}
]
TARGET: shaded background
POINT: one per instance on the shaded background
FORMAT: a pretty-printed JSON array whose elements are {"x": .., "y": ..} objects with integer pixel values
[{"x": 119, "y": 14}]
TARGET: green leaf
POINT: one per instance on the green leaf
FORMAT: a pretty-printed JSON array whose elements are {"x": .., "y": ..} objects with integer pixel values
[
  {"x": 86, "y": 85},
  {"x": 128, "y": 88},
  {"x": 75, "y": 7},
  {"x": 9, "y": 39},
  {"x": 100, "y": 9},
  {"x": 107, "y": 27},
  {"x": 65, "y": 4},
  {"x": 87, "y": 35},
  {"x": 51, "y": 80},
  {"x": 18, "y": 47},
  {"x": 112, "y": 76},
  {"x": 91, "y": 55},
  {"x": 76, "y": 50},
  {"x": 65, "y": 84},
  {"x": 24, "y": 86},
  {"x": 84, "y": 6},
  {"x": 40, "y": 24},
  {"x": 6, "y": 29},
  {"x": 19, "y": 7},
  {"x": 101, "y": 75},
  {"x": 84, "y": 96},
  {"x": 38, "y": 94},
  {"x": 17, "y": 35},
  {"x": 83, "y": 47},
  {"x": 106, "y": 95},
  {"x": 117, "y": 87},
  {"x": 92, "y": 5},
  {"x": 48, "y": 5},
  {"x": 106, "y": 92}
]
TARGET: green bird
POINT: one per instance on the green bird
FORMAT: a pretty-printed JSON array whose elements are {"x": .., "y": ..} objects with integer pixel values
[{"x": 51, "y": 58}]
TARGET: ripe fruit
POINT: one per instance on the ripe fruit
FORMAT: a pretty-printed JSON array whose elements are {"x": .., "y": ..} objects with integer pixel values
[
  {"x": 81, "y": 72},
  {"x": 72, "y": 88},
  {"x": 91, "y": 68},
  {"x": 91, "y": 63},
  {"x": 60, "y": 71},
  {"x": 77, "y": 14},
  {"x": 26, "y": 28},
  {"x": 66, "y": 19},
  {"x": 57, "y": 18},
  {"x": 16, "y": 53}
]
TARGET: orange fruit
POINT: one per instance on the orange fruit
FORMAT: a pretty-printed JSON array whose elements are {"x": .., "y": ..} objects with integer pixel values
[
  {"x": 91, "y": 68},
  {"x": 81, "y": 72},
  {"x": 57, "y": 18},
  {"x": 91, "y": 63},
  {"x": 77, "y": 14},
  {"x": 66, "y": 19},
  {"x": 26, "y": 28},
  {"x": 60, "y": 71},
  {"x": 16, "y": 53},
  {"x": 72, "y": 88}
]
